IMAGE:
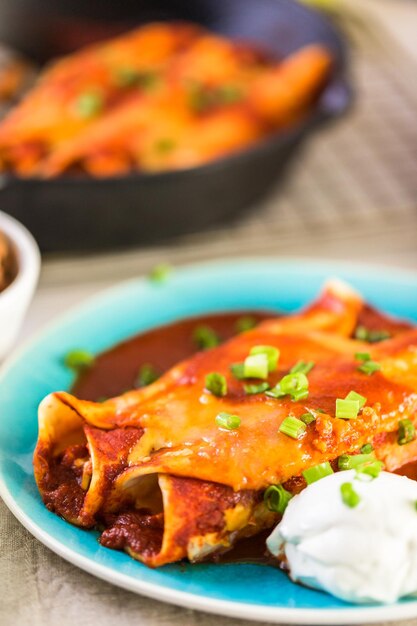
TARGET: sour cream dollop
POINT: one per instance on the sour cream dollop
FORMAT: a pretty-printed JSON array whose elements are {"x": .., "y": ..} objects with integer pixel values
[{"x": 367, "y": 553}]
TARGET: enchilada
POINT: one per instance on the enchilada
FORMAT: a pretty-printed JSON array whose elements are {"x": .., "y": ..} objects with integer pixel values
[{"x": 166, "y": 479}]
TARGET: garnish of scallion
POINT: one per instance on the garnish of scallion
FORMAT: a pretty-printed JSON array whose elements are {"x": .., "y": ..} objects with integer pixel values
[
  {"x": 237, "y": 370},
  {"x": 277, "y": 498},
  {"x": 372, "y": 336},
  {"x": 256, "y": 366},
  {"x": 367, "y": 448},
  {"x": 229, "y": 94},
  {"x": 352, "y": 461},
  {"x": 349, "y": 496},
  {"x": 147, "y": 375},
  {"x": 160, "y": 273},
  {"x": 271, "y": 353},
  {"x": 294, "y": 385},
  {"x": 165, "y": 145},
  {"x": 216, "y": 384},
  {"x": 205, "y": 337},
  {"x": 370, "y": 470},
  {"x": 251, "y": 390},
  {"x": 406, "y": 432},
  {"x": 347, "y": 409},
  {"x": 312, "y": 474},
  {"x": 126, "y": 77},
  {"x": 244, "y": 323},
  {"x": 293, "y": 427},
  {"x": 89, "y": 104},
  {"x": 79, "y": 360},
  {"x": 308, "y": 418},
  {"x": 228, "y": 421},
  {"x": 368, "y": 366},
  {"x": 203, "y": 98},
  {"x": 352, "y": 395},
  {"x": 303, "y": 367}
]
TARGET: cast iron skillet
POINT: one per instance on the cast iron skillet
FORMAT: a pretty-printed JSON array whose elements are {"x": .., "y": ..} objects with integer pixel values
[{"x": 82, "y": 213}]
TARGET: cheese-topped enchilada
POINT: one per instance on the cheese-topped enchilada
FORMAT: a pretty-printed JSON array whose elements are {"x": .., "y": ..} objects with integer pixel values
[{"x": 179, "y": 468}]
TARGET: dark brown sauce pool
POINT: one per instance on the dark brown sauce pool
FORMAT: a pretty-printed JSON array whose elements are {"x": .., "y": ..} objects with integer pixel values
[{"x": 116, "y": 370}]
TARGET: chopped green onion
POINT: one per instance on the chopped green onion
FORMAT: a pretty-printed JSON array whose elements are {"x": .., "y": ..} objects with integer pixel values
[
  {"x": 237, "y": 370},
  {"x": 378, "y": 335},
  {"x": 352, "y": 395},
  {"x": 126, "y": 76},
  {"x": 371, "y": 469},
  {"x": 256, "y": 366},
  {"x": 275, "y": 392},
  {"x": 229, "y": 94},
  {"x": 251, "y": 390},
  {"x": 351, "y": 461},
  {"x": 131, "y": 77},
  {"x": 165, "y": 145},
  {"x": 349, "y": 495},
  {"x": 200, "y": 98},
  {"x": 79, "y": 360},
  {"x": 307, "y": 418},
  {"x": 295, "y": 385},
  {"x": 361, "y": 333},
  {"x": 406, "y": 432},
  {"x": 367, "y": 448},
  {"x": 246, "y": 322},
  {"x": 216, "y": 384},
  {"x": 369, "y": 367},
  {"x": 303, "y": 367},
  {"x": 277, "y": 498},
  {"x": 147, "y": 375},
  {"x": 203, "y": 98},
  {"x": 362, "y": 356},
  {"x": 228, "y": 421},
  {"x": 347, "y": 409},
  {"x": 372, "y": 336},
  {"x": 271, "y": 353},
  {"x": 205, "y": 337},
  {"x": 312, "y": 474},
  {"x": 292, "y": 427},
  {"x": 89, "y": 104},
  {"x": 160, "y": 273}
]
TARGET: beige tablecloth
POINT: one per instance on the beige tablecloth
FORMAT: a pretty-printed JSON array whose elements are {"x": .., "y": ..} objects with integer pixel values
[{"x": 352, "y": 195}]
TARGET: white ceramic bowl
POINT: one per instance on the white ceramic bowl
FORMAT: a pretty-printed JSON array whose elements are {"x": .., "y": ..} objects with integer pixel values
[{"x": 15, "y": 299}]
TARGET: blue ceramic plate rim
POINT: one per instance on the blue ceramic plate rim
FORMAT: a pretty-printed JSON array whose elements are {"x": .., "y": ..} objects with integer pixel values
[{"x": 224, "y": 285}]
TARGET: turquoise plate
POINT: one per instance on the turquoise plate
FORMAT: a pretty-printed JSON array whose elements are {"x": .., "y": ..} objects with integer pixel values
[{"x": 247, "y": 591}]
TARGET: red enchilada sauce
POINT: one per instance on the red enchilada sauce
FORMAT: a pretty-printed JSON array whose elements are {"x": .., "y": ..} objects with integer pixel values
[{"x": 116, "y": 371}]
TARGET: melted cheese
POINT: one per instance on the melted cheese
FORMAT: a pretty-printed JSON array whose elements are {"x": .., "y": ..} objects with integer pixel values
[{"x": 177, "y": 414}]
